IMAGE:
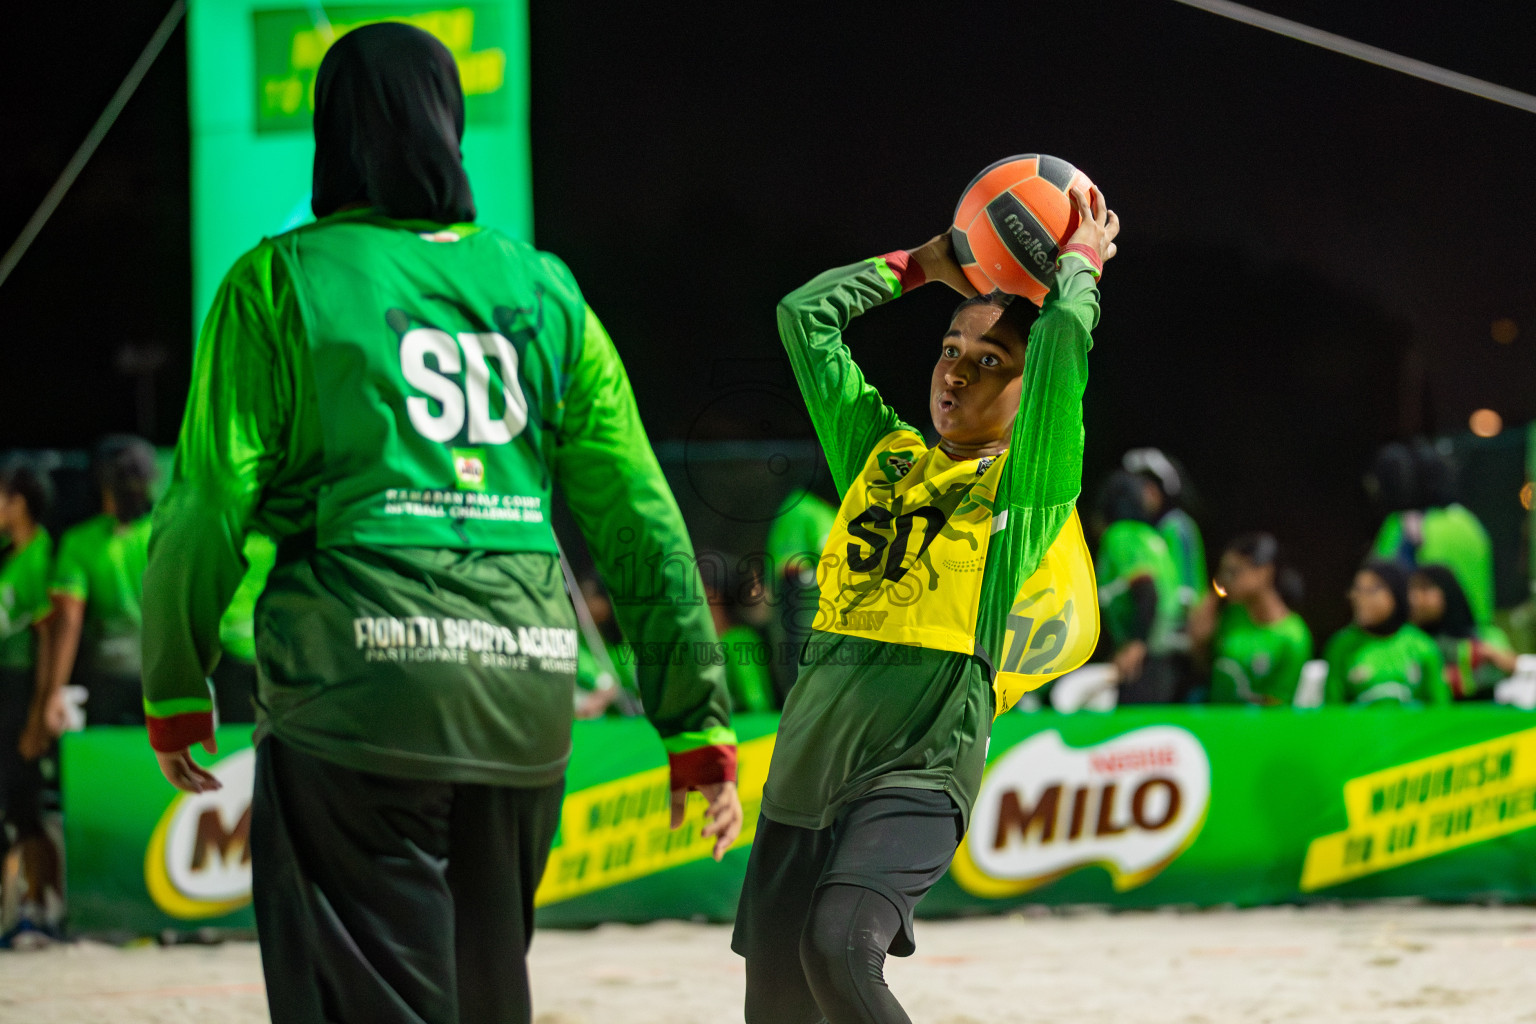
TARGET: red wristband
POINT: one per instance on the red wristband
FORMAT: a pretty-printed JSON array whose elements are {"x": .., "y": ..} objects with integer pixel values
[
  {"x": 703, "y": 766},
  {"x": 178, "y": 732},
  {"x": 1086, "y": 252},
  {"x": 907, "y": 270}
]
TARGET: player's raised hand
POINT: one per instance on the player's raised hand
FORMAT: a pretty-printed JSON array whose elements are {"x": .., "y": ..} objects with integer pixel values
[
  {"x": 937, "y": 258},
  {"x": 1097, "y": 224},
  {"x": 724, "y": 817}
]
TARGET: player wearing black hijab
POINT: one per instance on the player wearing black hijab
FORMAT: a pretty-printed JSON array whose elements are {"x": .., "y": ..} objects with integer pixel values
[{"x": 391, "y": 393}]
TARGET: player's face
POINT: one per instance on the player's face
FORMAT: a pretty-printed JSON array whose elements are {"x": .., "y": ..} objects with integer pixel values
[
  {"x": 1240, "y": 578},
  {"x": 1426, "y": 602},
  {"x": 1371, "y": 599},
  {"x": 974, "y": 394},
  {"x": 10, "y": 508}
]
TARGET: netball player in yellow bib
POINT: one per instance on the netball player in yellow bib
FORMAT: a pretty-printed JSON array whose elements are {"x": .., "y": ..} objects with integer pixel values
[{"x": 954, "y": 579}]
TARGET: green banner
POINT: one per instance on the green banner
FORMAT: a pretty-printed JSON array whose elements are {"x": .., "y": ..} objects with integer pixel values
[
  {"x": 1138, "y": 808},
  {"x": 252, "y": 66}
]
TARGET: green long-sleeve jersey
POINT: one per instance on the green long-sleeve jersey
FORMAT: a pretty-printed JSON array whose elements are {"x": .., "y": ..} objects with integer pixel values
[
  {"x": 929, "y": 586},
  {"x": 393, "y": 402}
]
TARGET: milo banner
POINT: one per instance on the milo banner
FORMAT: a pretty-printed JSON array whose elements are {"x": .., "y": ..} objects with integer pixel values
[{"x": 1136, "y": 808}]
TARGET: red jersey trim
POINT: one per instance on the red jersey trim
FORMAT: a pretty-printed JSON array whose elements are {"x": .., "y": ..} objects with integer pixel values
[
  {"x": 178, "y": 732},
  {"x": 702, "y": 766}
]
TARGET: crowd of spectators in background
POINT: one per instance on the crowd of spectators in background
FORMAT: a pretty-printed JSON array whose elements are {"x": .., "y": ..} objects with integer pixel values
[
  {"x": 1422, "y": 602},
  {"x": 1422, "y": 625},
  {"x": 1422, "y": 629}
]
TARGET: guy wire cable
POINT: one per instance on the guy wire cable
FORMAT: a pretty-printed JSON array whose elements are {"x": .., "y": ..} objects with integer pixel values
[
  {"x": 93, "y": 139},
  {"x": 1370, "y": 54}
]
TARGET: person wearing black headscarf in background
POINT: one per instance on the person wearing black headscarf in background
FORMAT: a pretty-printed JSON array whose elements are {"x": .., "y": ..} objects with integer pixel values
[
  {"x": 1381, "y": 657},
  {"x": 1415, "y": 486},
  {"x": 1476, "y": 657},
  {"x": 391, "y": 394}
]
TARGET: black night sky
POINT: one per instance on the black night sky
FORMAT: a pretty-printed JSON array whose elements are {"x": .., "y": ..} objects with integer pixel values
[{"x": 1314, "y": 248}]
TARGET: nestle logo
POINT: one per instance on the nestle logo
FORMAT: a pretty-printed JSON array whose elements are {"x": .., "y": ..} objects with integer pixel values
[{"x": 1133, "y": 760}]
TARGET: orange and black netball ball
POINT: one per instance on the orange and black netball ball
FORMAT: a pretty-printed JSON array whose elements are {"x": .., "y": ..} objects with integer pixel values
[{"x": 1011, "y": 220}]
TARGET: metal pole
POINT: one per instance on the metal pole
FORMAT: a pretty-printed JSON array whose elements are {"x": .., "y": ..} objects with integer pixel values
[{"x": 93, "y": 139}]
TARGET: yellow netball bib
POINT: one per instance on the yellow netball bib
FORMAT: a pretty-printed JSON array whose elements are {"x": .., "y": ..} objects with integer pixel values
[
  {"x": 1053, "y": 625},
  {"x": 905, "y": 559}
]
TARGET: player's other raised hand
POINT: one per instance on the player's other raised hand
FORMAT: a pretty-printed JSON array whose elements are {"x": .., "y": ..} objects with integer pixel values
[{"x": 1097, "y": 224}]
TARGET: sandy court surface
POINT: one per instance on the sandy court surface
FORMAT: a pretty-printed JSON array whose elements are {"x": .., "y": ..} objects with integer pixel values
[{"x": 1362, "y": 965}]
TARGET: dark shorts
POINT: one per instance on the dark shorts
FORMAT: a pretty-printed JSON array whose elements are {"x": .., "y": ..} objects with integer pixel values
[{"x": 896, "y": 842}]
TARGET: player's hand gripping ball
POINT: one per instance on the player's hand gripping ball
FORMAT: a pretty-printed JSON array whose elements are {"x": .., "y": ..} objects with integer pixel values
[{"x": 1011, "y": 220}]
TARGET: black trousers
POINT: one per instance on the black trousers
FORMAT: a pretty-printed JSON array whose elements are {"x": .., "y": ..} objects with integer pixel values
[
  {"x": 394, "y": 901},
  {"x": 21, "y": 781}
]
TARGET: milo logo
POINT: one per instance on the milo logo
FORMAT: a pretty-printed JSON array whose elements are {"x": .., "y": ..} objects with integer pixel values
[
  {"x": 198, "y": 864},
  {"x": 469, "y": 468},
  {"x": 1131, "y": 805}
]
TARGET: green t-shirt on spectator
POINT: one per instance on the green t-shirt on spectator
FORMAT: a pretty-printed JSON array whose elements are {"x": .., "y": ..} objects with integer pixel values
[
  {"x": 1129, "y": 550},
  {"x": 1404, "y": 667},
  {"x": 797, "y": 535},
  {"x": 23, "y": 599},
  {"x": 101, "y": 562},
  {"x": 746, "y": 669},
  {"x": 1187, "y": 548},
  {"x": 1257, "y": 664}
]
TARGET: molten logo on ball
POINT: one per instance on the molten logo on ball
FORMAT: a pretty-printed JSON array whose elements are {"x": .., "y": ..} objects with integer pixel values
[{"x": 1131, "y": 805}]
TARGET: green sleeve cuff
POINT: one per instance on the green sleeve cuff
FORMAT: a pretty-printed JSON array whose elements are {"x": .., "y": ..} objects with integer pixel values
[
  {"x": 889, "y": 276},
  {"x": 177, "y": 706},
  {"x": 718, "y": 736}
]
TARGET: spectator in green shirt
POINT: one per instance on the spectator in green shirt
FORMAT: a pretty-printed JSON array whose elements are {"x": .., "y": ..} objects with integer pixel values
[
  {"x": 1476, "y": 657},
  {"x": 739, "y": 602},
  {"x": 1164, "y": 494},
  {"x": 1425, "y": 525},
  {"x": 795, "y": 538},
  {"x": 605, "y": 681},
  {"x": 1138, "y": 595},
  {"x": 97, "y": 589},
  {"x": 1260, "y": 643},
  {"x": 1381, "y": 657},
  {"x": 26, "y": 550}
]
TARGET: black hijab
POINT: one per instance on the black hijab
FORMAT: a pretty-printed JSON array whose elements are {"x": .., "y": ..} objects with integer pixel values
[
  {"x": 389, "y": 114},
  {"x": 1395, "y": 576},
  {"x": 1457, "y": 620}
]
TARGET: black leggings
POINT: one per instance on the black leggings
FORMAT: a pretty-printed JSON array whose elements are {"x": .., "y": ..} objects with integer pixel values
[
  {"x": 821, "y": 908},
  {"x": 843, "y": 952}
]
